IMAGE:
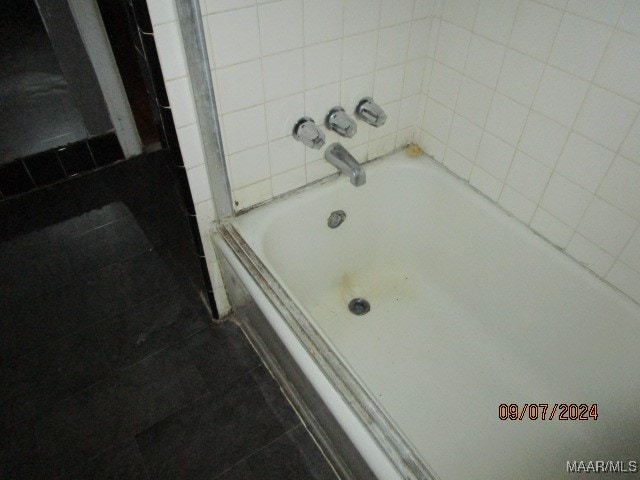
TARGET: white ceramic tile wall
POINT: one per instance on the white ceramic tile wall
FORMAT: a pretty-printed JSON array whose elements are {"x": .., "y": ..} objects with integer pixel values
[
  {"x": 172, "y": 60},
  {"x": 536, "y": 104},
  {"x": 274, "y": 62}
]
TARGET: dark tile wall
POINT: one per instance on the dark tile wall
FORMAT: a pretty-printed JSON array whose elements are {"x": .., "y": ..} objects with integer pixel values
[{"x": 46, "y": 168}]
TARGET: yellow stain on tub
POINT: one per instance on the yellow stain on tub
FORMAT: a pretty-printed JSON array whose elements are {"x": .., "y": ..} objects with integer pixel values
[{"x": 413, "y": 150}]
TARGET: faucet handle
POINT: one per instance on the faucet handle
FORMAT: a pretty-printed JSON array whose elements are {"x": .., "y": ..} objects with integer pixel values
[
  {"x": 308, "y": 133},
  {"x": 371, "y": 112},
  {"x": 341, "y": 123}
]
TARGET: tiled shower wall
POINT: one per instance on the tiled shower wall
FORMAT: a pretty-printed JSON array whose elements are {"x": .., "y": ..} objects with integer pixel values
[
  {"x": 274, "y": 62},
  {"x": 536, "y": 105}
]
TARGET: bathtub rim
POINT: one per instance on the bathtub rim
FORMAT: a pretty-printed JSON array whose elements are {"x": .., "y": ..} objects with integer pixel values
[{"x": 400, "y": 453}]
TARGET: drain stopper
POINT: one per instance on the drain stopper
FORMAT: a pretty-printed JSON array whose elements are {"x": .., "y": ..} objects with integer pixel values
[{"x": 359, "y": 306}]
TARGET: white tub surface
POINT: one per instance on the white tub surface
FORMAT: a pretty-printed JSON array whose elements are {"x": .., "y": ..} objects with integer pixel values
[{"x": 469, "y": 310}]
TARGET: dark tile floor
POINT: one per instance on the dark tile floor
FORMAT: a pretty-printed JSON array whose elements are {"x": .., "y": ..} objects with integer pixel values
[{"x": 110, "y": 363}]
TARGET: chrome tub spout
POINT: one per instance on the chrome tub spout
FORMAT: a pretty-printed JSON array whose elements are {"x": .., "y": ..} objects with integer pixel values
[{"x": 339, "y": 157}]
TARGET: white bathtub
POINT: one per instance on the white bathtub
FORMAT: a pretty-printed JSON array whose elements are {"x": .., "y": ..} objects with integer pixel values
[{"x": 469, "y": 310}]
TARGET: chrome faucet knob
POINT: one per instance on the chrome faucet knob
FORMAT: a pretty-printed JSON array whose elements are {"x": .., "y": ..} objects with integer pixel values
[
  {"x": 308, "y": 133},
  {"x": 371, "y": 112},
  {"x": 341, "y": 123}
]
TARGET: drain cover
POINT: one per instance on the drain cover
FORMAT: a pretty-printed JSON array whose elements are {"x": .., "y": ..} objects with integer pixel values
[{"x": 359, "y": 306}]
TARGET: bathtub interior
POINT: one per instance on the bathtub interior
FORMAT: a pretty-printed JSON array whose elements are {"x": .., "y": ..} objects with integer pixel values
[{"x": 469, "y": 310}]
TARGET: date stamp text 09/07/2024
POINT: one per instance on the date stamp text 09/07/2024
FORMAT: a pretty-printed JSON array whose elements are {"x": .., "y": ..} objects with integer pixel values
[{"x": 548, "y": 411}]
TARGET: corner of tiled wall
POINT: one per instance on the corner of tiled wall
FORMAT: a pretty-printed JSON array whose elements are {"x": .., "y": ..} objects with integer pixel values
[
  {"x": 274, "y": 62},
  {"x": 167, "y": 36},
  {"x": 536, "y": 104}
]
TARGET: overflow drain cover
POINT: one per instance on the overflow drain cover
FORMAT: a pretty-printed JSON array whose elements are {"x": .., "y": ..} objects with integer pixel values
[{"x": 359, "y": 306}]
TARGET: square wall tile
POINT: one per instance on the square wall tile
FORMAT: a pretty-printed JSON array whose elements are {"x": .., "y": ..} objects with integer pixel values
[
  {"x": 584, "y": 162},
  {"x": 543, "y": 139},
  {"x": 528, "y": 177},
  {"x": 432, "y": 146},
  {"x": 607, "y": 227},
  {"x": 190, "y": 145},
  {"x": 444, "y": 85},
  {"x": 388, "y": 84},
  {"x": 76, "y": 158},
  {"x": 381, "y": 146},
  {"x": 409, "y": 112},
  {"x": 495, "y": 156},
  {"x": 199, "y": 183},
  {"x": 453, "y": 43},
  {"x": 240, "y": 86},
  {"x": 495, "y": 19},
  {"x": 170, "y": 51},
  {"x": 631, "y": 146},
  {"x": 588, "y": 253},
  {"x": 162, "y": 11},
  {"x": 413, "y": 75},
  {"x": 359, "y": 54},
  {"x": 630, "y": 18},
  {"x": 283, "y": 74},
  {"x": 457, "y": 164},
  {"x": 423, "y": 8},
  {"x": 44, "y": 168},
  {"x": 486, "y": 183},
  {"x": 253, "y": 194},
  {"x": 319, "y": 169},
  {"x": 285, "y": 154},
  {"x": 181, "y": 101},
  {"x": 520, "y": 77},
  {"x": 460, "y": 12},
  {"x": 606, "y": 117},
  {"x": 631, "y": 253},
  {"x": 621, "y": 186},
  {"x": 579, "y": 46},
  {"x": 15, "y": 179},
  {"x": 283, "y": 114},
  {"x": 437, "y": 120},
  {"x": 323, "y": 21},
  {"x": 465, "y": 137},
  {"x": 518, "y": 205},
  {"x": 551, "y": 228},
  {"x": 560, "y": 96},
  {"x": 234, "y": 36},
  {"x": 626, "y": 279},
  {"x": 355, "y": 89},
  {"x": 565, "y": 200},
  {"x": 605, "y": 12},
  {"x": 506, "y": 119},
  {"x": 105, "y": 149},
  {"x": 534, "y": 29},
  {"x": 619, "y": 70},
  {"x": 393, "y": 44},
  {"x": 474, "y": 100},
  {"x": 319, "y": 101},
  {"x": 281, "y": 26},
  {"x": 393, "y": 12},
  {"x": 419, "y": 38},
  {"x": 245, "y": 129},
  {"x": 249, "y": 166},
  {"x": 484, "y": 60},
  {"x": 361, "y": 16},
  {"x": 287, "y": 181},
  {"x": 322, "y": 64}
]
